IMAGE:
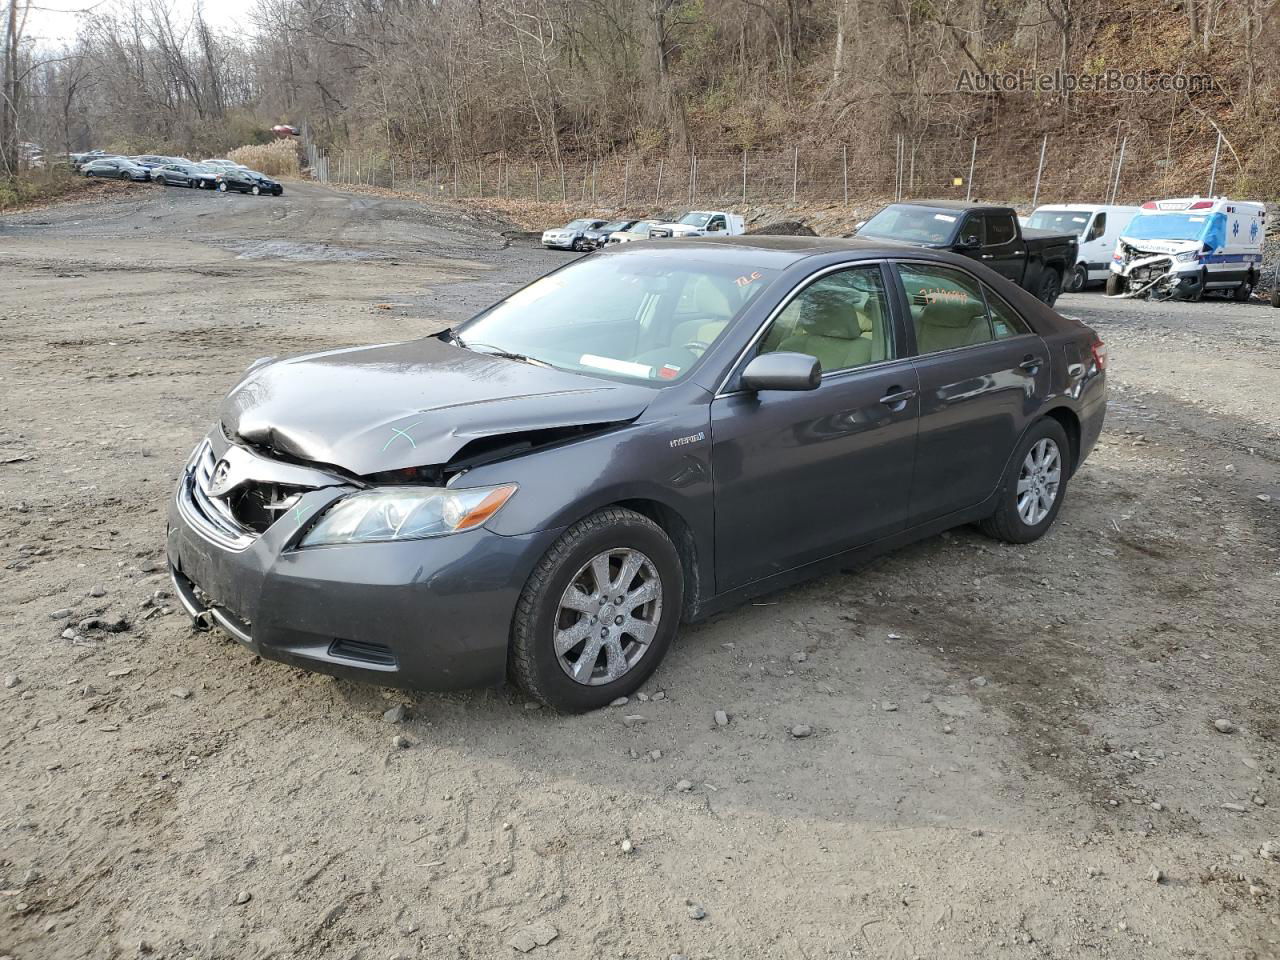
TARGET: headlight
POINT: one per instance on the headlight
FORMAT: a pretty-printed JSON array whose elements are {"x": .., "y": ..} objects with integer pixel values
[
  {"x": 406, "y": 513},
  {"x": 1189, "y": 257}
]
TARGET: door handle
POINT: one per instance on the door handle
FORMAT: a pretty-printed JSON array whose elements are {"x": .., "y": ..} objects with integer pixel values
[
  {"x": 988, "y": 256},
  {"x": 1031, "y": 363},
  {"x": 896, "y": 396}
]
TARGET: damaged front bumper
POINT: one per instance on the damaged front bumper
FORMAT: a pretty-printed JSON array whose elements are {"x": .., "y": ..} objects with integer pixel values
[
  {"x": 1159, "y": 277},
  {"x": 424, "y": 614}
]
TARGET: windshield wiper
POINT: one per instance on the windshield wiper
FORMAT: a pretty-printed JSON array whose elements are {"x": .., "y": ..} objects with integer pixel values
[{"x": 490, "y": 350}]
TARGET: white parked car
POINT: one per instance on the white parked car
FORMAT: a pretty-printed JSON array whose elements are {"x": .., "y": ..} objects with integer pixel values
[
  {"x": 638, "y": 231},
  {"x": 1097, "y": 228},
  {"x": 1186, "y": 247},
  {"x": 701, "y": 223},
  {"x": 572, "y": 236}
]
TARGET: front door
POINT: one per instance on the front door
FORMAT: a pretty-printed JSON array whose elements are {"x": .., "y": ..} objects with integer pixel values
[
  {"x": 1002, "y": 250},
  {"x": 803, "y": 475},
  {"x": 984, "y": 376}
]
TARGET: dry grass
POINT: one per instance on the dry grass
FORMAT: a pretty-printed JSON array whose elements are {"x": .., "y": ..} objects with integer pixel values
[{"x": 276, "y": 159}]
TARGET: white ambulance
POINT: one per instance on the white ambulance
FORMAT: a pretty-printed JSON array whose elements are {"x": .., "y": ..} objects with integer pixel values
[
  {"x": 1188, "y": 247},
  {"x": 1097, "y": 228}
]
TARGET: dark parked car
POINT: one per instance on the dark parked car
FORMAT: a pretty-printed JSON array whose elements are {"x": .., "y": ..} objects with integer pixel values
[
  {"x": 247, "y": 181},
  {"x": 597, "y": 237},
  {"x": 1036, "y": 260},
  {"x": 117, "y": 168},
  {"x": 639, "y": 439},
  {"x": 184, "y": 175}
]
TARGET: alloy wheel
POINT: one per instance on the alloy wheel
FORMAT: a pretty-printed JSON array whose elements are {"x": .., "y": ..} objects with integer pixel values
[
  {"x": 1039, "y": 481},
  {"x": 608, "y": 616}
]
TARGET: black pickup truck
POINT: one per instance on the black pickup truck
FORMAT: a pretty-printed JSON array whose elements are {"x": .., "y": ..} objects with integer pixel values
[{"x": 1035, "y": 260}]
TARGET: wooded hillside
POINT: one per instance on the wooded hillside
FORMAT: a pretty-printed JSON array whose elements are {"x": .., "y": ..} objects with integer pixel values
[{"x": 562, "y": 80}]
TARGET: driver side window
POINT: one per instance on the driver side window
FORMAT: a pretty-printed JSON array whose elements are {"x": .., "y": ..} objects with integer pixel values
[{"x": 842, "y": 319}]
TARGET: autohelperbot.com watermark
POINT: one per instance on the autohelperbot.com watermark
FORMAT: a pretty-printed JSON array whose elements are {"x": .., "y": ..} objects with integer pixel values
[{"x": 1024, "y": 80}]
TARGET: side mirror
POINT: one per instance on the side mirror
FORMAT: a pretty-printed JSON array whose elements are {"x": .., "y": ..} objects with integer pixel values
[
  {"x": 782, "y": 371},
  {"x": 859, "y": 225},
  {"x": 969, "y": 243}
]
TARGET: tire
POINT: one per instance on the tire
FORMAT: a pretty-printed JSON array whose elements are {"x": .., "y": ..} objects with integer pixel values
[
  {"x": 125, "y": 175},
  {"x": 222, "y": 187},
  {"x": 1243, "y": 292},
  {"x": 1115, "y": 285},
  {"x": 1050, "y": 286},
  {"x": 1275, "y": 298},
  {"x": 577, "y": 245},
  {"x": 278, "y": 192},
  {"x": 1012, "y": 524},
  {"x": 255, "y": 190},
  {"x": 619, "y": 536},
  {"x": 1079, "y": 279}
]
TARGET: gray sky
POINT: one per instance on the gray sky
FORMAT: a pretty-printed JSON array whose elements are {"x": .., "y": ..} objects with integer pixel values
[{"x": 53, "y": 22}]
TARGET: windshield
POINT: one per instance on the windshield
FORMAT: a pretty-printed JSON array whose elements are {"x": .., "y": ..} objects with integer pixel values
[
  {"x": 646, "y": 316},
  {"x": 1175, "y": 226},
  {"x": 695, "y": 219},
  {"x": 578, "y": 224},
  {"x": 912, "y": 224},
  {"x": 1060, "y": 221},
  {"x": 615, "y": 226}
]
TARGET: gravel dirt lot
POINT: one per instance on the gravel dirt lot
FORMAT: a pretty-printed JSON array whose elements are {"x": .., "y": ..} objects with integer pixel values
[{"x": 1007, "y": 741}]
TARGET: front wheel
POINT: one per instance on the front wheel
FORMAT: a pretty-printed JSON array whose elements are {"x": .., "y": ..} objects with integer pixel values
[
  {"x": 598, "y": 613},
  {"x": 1115, "y": 285},
  {"x": 1079, "y": 279},
  {"x": 125, "y": 175},
  {"x": 222, "y": 188},
  {"x": 1032, "y": 489}
]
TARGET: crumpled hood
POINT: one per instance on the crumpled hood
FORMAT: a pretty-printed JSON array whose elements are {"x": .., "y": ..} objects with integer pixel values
[
  {"x": 1164, "y": 247},
  {"x": 412, "y": 404}
]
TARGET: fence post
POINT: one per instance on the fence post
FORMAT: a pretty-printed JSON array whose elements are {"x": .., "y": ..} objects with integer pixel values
[
  {"x": 844, "y": 157},
  {"x": 537, "y": 182},
  {"x": 744, "y": 176},
  {"x": 1213, "y": 174},
  {"x": 795, "y": 173},
  {"x": 973, "y": 159},
  {"x": 480, "y": 172},
  {"x": 455, "y": 179},
  {"x": 657, "y": 192},
  {"x": 626, "y": 180},
  {"x": 595, "y": 164},
  {"x": 1039, "y": 170},
  {"x": 1119, "y": 166},
  {"x": 564, "y": 187}
]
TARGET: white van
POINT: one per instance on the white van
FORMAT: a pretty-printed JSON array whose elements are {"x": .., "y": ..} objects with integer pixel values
[
  {"x": 1097, "y": 228},
  {"x": 1190, "y": 246}
]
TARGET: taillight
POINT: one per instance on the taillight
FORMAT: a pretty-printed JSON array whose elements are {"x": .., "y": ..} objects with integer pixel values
[{"x": 1099, "y": 351}]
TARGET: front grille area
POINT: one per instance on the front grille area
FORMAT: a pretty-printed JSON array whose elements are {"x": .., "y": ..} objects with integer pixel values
[
  {"x": 210, "y": 515},
  {"x": 236, "y": 519}
]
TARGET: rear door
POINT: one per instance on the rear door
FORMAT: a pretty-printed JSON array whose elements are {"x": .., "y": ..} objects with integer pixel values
[
  {"x": 803, "y": 475},
  {"x": 984, "y": 376},
  {"x": 1002, "y": 247}
]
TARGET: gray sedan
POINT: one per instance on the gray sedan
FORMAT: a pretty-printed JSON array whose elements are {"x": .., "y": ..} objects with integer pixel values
[{"x": 637, "y": 440}]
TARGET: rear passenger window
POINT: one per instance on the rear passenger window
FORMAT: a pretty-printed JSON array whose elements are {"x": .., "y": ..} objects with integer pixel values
[
  {"x": 1004, "y": 319},
  {"x": 947, "y": 307},
  {"x": 842, "y": 319},
  {"x": 1000, "y": 230}
]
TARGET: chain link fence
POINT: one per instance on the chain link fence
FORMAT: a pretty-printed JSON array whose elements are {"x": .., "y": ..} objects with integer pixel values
[{"x": 1024, "y": 172}]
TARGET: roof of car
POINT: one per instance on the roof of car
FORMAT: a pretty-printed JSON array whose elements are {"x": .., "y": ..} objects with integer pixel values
[
  {"x": 953, "y": 205},
  {"x": 772, "y": 251}
]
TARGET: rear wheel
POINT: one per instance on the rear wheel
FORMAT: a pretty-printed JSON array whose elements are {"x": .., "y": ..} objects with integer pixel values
[
  {"x": 255, "y": 189},
  {"x": 1079, "y": 279},
  {"x": 1275, "y": 297},
  {"x": 598, "y": 612},
  {"x": 1244, "y": 291},
  {"x": 222, "y": 187},
  {"x": 1033, "y": 487},
  {"x": 1050, "y": 286}
]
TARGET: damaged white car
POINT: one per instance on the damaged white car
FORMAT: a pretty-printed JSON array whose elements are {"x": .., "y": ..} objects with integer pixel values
[{"x": 1184, "y": 248}]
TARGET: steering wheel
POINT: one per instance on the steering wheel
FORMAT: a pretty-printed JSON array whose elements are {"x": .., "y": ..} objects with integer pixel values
[{"x": 697, "y": 347}]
